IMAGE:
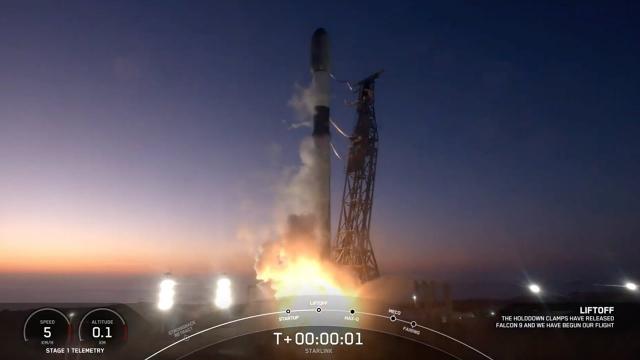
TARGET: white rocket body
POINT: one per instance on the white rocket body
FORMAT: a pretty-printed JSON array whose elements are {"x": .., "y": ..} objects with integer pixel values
[{"x": 320, "y": 67}]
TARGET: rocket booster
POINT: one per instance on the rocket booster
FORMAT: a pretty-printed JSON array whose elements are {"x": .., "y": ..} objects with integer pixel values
[{"x": 320, "y": 67}]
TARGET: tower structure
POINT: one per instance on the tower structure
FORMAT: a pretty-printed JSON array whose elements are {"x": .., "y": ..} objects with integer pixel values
[{"x": 353, "y": 245}]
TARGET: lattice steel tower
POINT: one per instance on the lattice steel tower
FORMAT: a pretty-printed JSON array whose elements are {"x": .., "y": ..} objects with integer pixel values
[{"x": 353, "y": 245}]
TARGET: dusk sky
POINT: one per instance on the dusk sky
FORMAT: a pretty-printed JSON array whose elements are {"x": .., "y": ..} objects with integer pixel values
[{"x": 143, "y": 137}]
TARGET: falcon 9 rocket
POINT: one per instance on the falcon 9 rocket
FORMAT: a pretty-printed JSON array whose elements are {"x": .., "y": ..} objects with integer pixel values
[{"x": 320, "y": 67}]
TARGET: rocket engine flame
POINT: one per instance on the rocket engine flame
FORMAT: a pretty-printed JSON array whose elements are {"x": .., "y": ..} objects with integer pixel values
[
  {"x": 304, "y": 275},
  {"x": 293, "y": 266}
]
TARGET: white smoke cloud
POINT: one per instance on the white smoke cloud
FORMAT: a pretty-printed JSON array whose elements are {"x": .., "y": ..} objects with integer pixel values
[
  {"x": 296, "y": 218},
  {"x": 296, "y": 188},
  {"x": 299, "y": 193},
  {"x": 303, "y": 103}
]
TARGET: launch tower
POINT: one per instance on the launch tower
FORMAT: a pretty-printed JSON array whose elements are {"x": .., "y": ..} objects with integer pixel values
[{"x": 353, "y": 245}]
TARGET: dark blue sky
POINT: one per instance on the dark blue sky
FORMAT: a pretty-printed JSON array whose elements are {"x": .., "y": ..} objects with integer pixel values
[{"x": 509, "y": 132}]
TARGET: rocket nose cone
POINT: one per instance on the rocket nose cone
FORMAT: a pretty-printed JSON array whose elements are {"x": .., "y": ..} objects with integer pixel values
[
  {"x": 319, "y": 33},
  {"x": 320, "y": 50}
]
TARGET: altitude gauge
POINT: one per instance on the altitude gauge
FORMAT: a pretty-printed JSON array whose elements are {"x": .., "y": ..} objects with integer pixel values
[
  {"x": 47, "y": 327},
  {"x": 102, "y": 327}
]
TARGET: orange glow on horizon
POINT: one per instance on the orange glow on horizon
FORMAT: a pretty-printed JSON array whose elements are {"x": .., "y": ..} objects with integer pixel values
[
  {"x": 57, "y": 262},
  {"x": 58, "y": 248}
]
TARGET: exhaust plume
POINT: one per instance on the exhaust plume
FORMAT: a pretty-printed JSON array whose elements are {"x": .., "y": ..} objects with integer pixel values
[{"x": 294, "y": 263}]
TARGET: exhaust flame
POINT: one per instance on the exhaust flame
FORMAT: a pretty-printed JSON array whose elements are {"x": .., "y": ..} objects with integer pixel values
[
  {"x": 292, "y": 265},
  {"x": 307, "y": 275}
]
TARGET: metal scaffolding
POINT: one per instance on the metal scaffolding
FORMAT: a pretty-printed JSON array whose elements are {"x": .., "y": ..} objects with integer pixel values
[{"x": 353, "y": 245}]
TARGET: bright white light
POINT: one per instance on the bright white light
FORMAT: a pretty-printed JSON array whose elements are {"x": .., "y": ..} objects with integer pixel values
[
  {"x": 631, "y": 286},
  {"x": 414, "y": 297},
  {"x": 535, "y": 288},
  {"x": 166, "y": 294},
  {"x": 222, "y": 299}
]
